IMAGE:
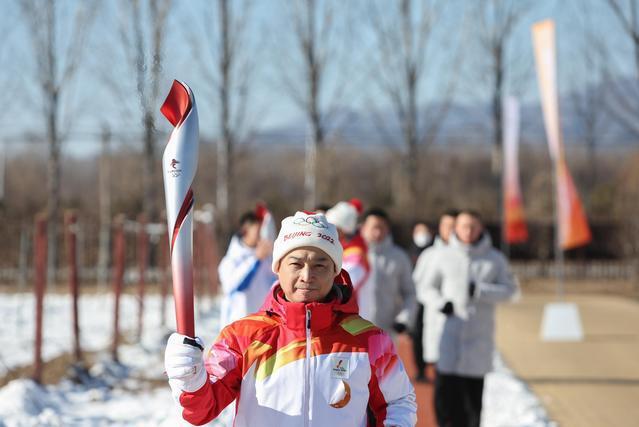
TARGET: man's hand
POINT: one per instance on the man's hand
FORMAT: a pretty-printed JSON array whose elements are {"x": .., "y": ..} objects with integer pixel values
[
  {"x": 263, "y": 249},
  {"x": 184, "y": 364},
  {"x": 448, "y": 309}
]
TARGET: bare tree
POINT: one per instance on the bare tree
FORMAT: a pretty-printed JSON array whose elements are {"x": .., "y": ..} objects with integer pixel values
[
  {"x": 589, "y": 101},
  {"x": 404, "y": 43},
  {"x": 314, "y": 26},
  {"x": 104, "y": 183},
  {"x": 57, "y": 61},
  {"x": 226, "y": 60},
  {"x": 497, "y": 21},
  {"x": 142, "y": 33},
  {"x": 622, "y": 104}
]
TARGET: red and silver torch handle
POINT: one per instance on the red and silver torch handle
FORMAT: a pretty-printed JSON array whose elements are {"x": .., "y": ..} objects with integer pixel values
[{"x": 179, "y": 164}]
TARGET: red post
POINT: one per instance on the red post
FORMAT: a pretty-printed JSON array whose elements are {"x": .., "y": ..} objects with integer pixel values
[
  {"x": 71, "y": 220},
  {"x": 143, "y": 256},
  {"x": 40, "y": 263},
  {"x": 164, "y": 266},
  {"x": 118, "y": 277},
  {"x": 198, "y": 276},
  {"x": 212, "y": 257}
]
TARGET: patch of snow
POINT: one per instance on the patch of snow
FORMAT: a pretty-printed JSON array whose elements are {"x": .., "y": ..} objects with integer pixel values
[{"x": 508, "y": 402}]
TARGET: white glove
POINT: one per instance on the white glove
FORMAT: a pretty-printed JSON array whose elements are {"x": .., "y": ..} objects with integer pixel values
[{"x": 184, "y": 364}]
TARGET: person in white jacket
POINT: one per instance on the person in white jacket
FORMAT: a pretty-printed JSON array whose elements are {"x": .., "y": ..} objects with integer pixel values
[
  {"x": 433, "y": 320},
  {"x": 465, "y": 280},
  {"x": 245, "y": 272}
]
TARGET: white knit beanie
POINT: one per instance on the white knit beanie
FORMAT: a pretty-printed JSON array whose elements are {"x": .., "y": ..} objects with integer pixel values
[
  {"x": 307, "y": 229},
  {"x": 344, "y": 216}
]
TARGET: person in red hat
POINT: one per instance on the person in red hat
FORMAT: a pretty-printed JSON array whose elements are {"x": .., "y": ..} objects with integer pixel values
[
  {"x": 355, "y": 260},
  {"x": 305, "y": 358}
]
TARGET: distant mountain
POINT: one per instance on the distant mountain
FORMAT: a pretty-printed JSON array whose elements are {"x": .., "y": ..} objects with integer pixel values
[{"x": 464, "y": 123}]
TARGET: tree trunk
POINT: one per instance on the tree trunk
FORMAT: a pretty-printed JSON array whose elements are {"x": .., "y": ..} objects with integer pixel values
[
  {"x": 105, "y": 210},
  {"x": 53, "y": 203},
  {"x": 149, "y": 168},
  {"x": 224, "y": 193},
  {"x": 310, "y": 172},
  {"x": 410, "y": 132}
]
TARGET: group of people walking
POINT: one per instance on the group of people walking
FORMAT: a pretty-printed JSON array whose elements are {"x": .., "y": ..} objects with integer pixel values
[{"x": 325, "y": 301}]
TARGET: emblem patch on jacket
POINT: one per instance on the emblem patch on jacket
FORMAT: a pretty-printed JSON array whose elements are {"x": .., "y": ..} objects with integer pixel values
[{"x": 339, "y": 368}]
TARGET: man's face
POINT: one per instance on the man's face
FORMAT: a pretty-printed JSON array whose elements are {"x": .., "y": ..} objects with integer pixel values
[
  {"x": 468, "y": 228},
  {"x": 251, "y": 234},
  {"x": 306, "y": 274},
  {"x": 446, "y": 226},
  {"x": 374, "y": 229}
]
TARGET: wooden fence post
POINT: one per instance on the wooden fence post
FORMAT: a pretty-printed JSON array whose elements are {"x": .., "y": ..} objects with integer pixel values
[
  {"x": 40, "y": 276},
  {"x": 71, "y": 221},
  {"x": 118, "y": 277}
]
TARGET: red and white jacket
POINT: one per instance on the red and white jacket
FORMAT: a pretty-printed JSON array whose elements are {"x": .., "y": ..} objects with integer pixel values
[
  {"x": 295, "y": 364},
  {"x": 355, "y": 260}
]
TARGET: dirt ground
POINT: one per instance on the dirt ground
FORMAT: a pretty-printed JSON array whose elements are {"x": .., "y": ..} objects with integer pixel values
[{"x": 594, "y": 382}]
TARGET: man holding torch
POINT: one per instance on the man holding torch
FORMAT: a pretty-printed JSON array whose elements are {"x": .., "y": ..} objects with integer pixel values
[{"x": 306, "y": 357}]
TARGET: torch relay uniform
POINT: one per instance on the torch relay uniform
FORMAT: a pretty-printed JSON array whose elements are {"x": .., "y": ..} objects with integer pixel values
[
  {"x": 356, "y": 260},
  {"x": 294, "y": 364},
  {"x": 245, "y": 279}
]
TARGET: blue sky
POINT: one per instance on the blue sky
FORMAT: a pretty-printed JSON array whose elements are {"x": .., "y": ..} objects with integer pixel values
[{"x": 90, "y": 103}]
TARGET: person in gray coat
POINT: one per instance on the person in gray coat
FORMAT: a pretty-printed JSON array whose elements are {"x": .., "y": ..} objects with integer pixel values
[
  {"x": 466, "y": 279},
  {"x": 387, "y": 298}
]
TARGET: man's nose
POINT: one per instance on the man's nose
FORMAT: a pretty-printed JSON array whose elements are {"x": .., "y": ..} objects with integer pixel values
[{"x": 305, "y": 274}]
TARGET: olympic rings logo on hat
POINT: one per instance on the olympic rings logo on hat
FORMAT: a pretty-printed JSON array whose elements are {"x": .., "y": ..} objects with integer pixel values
[{"x": 309, "y": 220}]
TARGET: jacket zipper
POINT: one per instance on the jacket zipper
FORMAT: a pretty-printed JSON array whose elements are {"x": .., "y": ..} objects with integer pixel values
[{"x": 307, "y": 374}]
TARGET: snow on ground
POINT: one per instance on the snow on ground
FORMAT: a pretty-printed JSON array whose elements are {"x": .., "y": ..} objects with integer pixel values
[
  {"x": 133, "y": 393},
  {"x": 508, "y": 402}
]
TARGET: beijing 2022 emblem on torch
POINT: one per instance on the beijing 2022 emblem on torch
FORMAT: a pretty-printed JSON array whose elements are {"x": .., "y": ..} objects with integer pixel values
[{"x": 179, "y": 164}]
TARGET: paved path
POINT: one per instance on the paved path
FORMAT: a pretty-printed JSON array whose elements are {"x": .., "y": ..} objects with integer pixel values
[{"x": 590, "y": 383}]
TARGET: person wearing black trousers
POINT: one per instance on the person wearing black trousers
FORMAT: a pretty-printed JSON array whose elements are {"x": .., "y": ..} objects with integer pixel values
[
  {"x": 422, "y": 239},
  {"x": 464, "y": 281}
]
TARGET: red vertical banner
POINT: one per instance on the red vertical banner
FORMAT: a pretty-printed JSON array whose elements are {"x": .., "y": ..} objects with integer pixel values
[
  {"x": 118, "y": 278},
  {"x": 40, "y": 276},
  {"x": 142, "y": 248},
  {"x": 574, "y": 230},
  {"x": 571, "y": 219},
  {"x": 515, "y": 229},
  {"x": 71, "y": 241}
]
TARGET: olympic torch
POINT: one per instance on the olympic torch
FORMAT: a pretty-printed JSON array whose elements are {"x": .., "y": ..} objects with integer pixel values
[{"x": 179, "y": 164}]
